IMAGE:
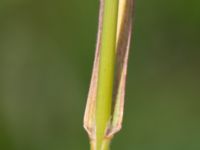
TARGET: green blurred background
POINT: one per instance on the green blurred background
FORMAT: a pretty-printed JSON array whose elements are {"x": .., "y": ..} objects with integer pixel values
[{"x": 46, "y": 55}]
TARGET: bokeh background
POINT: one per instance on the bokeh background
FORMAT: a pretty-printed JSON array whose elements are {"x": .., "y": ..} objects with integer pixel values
[{"x": 46, "y": 55}]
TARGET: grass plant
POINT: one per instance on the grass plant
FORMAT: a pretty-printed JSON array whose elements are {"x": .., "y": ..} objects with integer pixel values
[{"x": 105, "y": 104}]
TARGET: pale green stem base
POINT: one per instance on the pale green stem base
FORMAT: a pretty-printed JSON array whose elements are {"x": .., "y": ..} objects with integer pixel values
[{"x": 105, "y": 145}]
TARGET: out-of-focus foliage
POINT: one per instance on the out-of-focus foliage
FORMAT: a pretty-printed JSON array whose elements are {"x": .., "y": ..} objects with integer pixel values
[{"x": 46, "y": 54}]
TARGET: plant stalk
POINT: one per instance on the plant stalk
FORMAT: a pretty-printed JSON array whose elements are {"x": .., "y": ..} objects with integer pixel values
[
  {"x": 105, "y": 145},
  {"x": 106, "y": 73},
  {"x": 105, "y": 103}
]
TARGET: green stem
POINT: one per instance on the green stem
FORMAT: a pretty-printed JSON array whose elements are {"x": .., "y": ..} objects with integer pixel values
[
  {"x": 105, "y": 145},
  {"x": 106, "y": 72}
]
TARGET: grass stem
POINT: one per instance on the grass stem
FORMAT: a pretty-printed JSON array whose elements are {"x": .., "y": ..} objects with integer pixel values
[{"x": 106, "y": 72}]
